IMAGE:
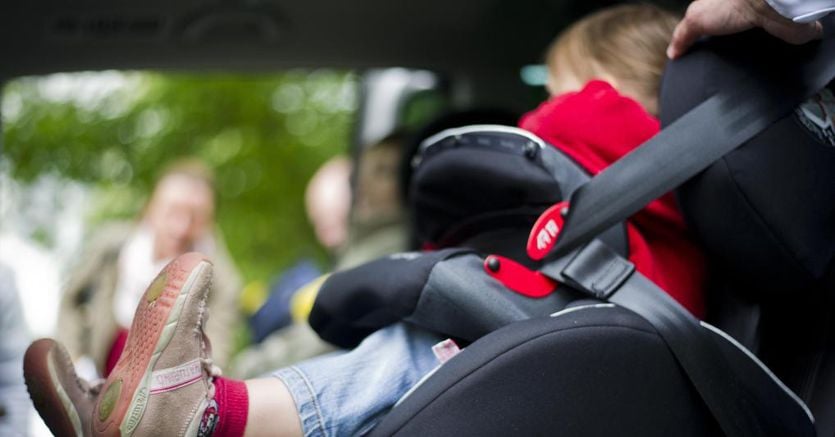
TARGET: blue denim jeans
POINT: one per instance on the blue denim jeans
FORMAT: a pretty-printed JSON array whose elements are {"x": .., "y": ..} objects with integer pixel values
[{"x": 347, "y": 393}]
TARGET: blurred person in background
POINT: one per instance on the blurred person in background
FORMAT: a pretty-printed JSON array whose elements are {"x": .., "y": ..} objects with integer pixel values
[
  {"x": 378, "y": 224},
  {"x": 14, "y": 338},
  {"x": 104, "y": 288},
  {"x": 277, "y": 339},
  {"x": 327, "y": 201}
]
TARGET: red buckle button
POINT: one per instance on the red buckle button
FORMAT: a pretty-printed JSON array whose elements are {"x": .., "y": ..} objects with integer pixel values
[{"x": 546, "y": 230}]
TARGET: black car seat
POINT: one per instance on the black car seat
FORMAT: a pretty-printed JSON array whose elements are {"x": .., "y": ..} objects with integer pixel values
[
  {"x": 591, "y": 368},
  {"x": 581, "y": 351},
  {"x": 597, "y": 370}
]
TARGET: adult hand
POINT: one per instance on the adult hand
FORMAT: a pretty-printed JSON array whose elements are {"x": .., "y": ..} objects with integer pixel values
[{"x": 723, "y": 17}]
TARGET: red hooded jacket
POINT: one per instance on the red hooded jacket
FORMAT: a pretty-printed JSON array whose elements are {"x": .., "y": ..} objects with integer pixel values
[{"x": 595, "y": 127}]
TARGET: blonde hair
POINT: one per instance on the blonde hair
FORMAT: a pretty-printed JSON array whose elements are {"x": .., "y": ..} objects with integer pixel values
[
  {"x": 191, "y": 167},
  {"x": 625, "y": 42}
]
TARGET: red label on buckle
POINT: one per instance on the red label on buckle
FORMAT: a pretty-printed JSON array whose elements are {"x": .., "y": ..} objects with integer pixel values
[
  {"x": 518, "y": 278},
  {"x": 545, "y": 231}
]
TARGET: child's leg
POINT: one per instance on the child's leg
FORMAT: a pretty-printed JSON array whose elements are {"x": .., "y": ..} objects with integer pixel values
[
  {"x": 164, "y": 382},
  {"x": 272, "y": 411},
  {"x": 347, "y": 393}
]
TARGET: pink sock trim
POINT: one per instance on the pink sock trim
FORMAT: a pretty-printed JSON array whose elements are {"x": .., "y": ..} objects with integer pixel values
[{"x": 233, "y": 407}]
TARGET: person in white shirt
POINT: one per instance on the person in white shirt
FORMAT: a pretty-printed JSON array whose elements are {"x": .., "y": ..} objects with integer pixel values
[
  {"x": 794, "y": 21},
  {"x": 122, "y": 258}
]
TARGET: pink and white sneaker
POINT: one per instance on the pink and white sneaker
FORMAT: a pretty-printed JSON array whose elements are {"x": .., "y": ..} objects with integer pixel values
[{"x": 161, "y": 384}]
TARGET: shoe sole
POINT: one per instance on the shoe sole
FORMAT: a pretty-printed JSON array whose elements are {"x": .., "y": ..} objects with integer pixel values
[
  {"x": 48, "y": 395},
  {"x": 154, "y": 325}
]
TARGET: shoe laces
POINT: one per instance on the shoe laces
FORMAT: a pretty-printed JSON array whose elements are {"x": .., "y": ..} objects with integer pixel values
[
  {"x": 212, "y": 370},
  {"x": 95, "y": 386},
  {"x": 91, "y": 388}
]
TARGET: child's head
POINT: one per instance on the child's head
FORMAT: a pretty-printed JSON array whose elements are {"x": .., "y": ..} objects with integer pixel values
[{"x": 623, "y": 45}]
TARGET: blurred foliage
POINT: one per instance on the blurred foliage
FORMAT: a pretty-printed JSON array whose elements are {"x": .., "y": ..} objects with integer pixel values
[{"x": 264, "y": 135}]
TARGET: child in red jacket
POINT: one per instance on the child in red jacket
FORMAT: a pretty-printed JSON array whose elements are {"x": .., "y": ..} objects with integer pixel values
[
  {"x": 604, "y": 74},
  {"x": 165, "y": 382}
]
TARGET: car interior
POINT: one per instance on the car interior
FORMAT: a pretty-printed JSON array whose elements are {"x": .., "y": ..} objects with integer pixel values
[{"x": 473, "y": 55}]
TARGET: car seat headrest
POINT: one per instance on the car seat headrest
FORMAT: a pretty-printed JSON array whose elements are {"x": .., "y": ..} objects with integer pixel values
[{"x": 480, "y": 178}]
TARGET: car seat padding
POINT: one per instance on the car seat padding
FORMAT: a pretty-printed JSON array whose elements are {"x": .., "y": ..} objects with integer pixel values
[{"x": 594, "y": 370}]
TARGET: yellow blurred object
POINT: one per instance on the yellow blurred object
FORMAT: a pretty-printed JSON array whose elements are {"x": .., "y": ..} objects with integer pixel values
[
  {"x": 253, "y": 296},
  {"x": 302, "y": 301}
]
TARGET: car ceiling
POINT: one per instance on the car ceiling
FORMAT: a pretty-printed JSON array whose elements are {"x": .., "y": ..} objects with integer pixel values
[{"x": 44, "y": 36}]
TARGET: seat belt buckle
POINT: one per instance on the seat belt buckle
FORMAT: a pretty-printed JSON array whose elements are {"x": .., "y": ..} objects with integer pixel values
[{"x": 597, "y": 270}]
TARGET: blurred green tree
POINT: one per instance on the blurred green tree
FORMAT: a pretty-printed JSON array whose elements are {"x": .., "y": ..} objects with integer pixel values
[{"x": 264, "y": 135}]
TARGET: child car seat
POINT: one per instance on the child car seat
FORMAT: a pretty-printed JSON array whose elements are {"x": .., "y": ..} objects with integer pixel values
[
  {"x": 448, "y": 291},
  {"x": 552, "y": 374},
  {"x": 589, "y": 369}
]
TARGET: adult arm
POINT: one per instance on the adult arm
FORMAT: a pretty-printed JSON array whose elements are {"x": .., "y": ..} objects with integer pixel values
[
  {"x": 799, "y": 25},
  {"x": 86, "y": 323}
]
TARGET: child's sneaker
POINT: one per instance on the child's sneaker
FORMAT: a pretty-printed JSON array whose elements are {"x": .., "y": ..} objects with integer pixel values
[
  {"x": 64, "y": 400},
  {"x": 161, "y": 384}
]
